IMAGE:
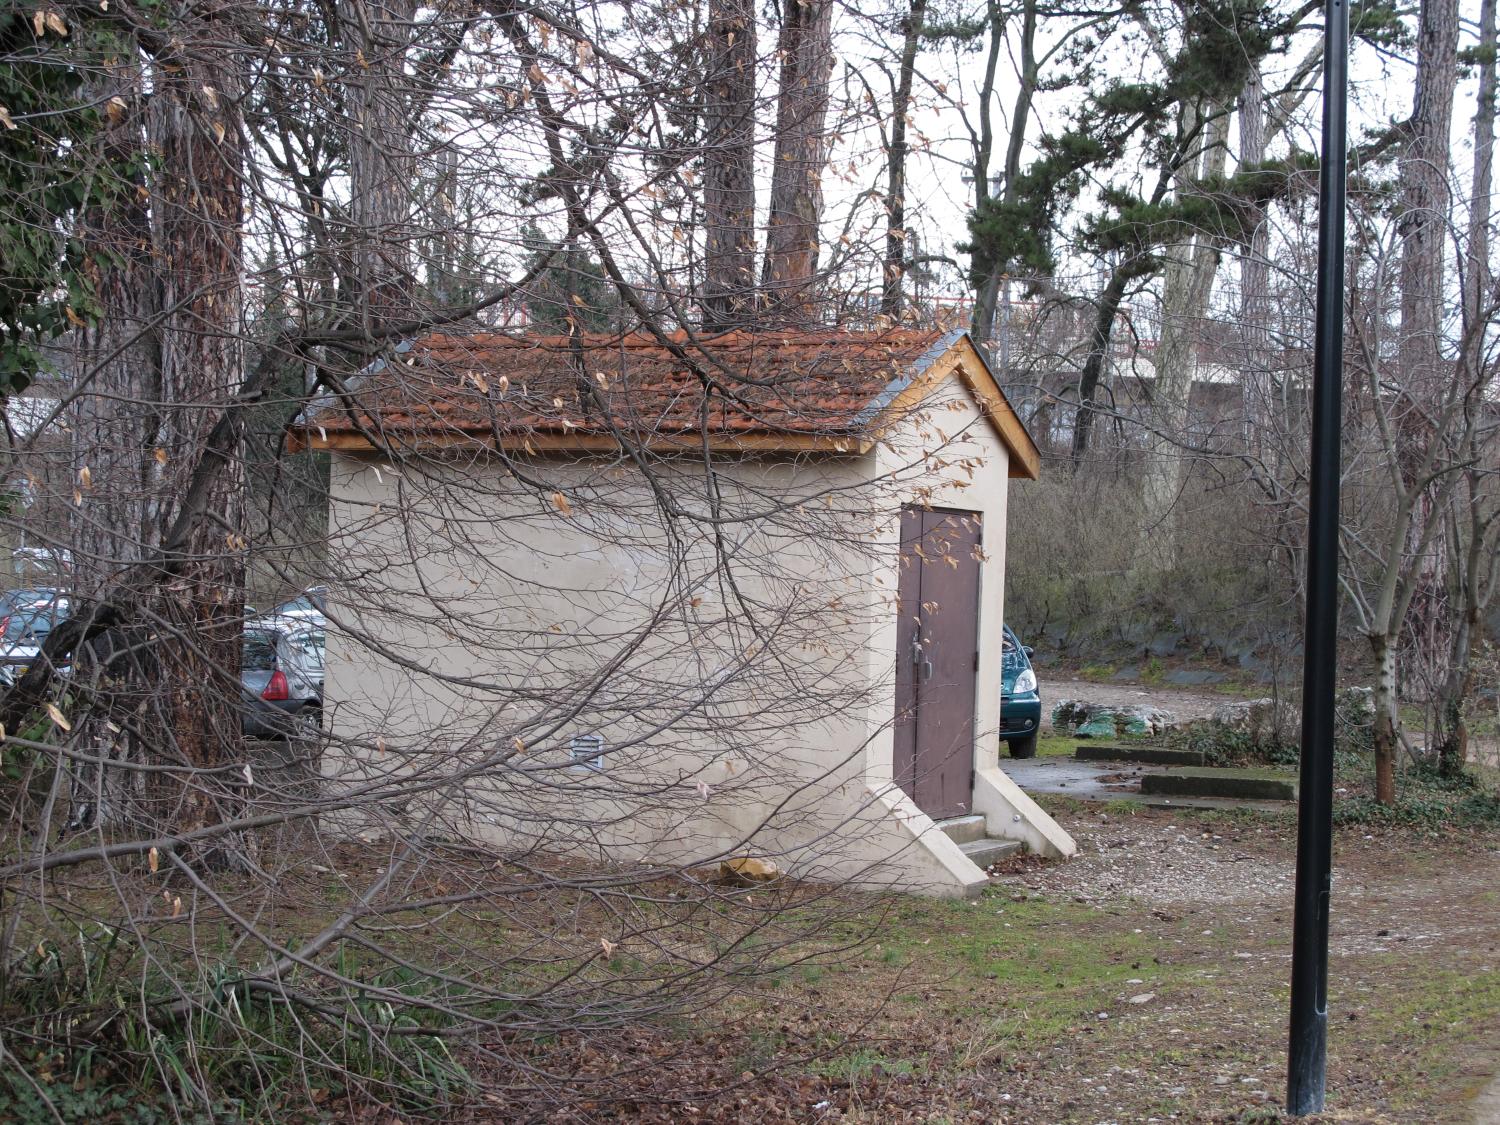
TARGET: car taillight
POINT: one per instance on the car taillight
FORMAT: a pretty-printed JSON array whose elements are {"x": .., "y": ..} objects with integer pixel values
[{"x": 276, "y": 688}]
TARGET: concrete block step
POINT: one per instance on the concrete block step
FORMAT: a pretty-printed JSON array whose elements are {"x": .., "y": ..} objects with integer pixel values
[
  {"x": 1150, "y": 755},
  {"x": 986, "y": 852},
  {"x": 963, "y": 829},
  {"x": 1248, "y": 785}
]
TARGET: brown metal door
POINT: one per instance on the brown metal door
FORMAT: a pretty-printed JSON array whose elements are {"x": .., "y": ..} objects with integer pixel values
[{"x": 937, "y": 646}]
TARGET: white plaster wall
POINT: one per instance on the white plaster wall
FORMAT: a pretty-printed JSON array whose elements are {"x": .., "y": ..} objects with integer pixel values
[{"x": 478, "y": 613}]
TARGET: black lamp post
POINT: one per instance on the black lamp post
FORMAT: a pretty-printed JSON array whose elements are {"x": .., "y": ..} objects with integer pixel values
[{"x": 1307, "y": 1050}]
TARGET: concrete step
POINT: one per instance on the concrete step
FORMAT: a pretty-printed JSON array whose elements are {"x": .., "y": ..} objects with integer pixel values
[
  {"x": 963, "y": 829},
  {"x": 1150, "y": 755},
  {"x": 986, "y": 852},
  {"x": 1249, "y": 785}
]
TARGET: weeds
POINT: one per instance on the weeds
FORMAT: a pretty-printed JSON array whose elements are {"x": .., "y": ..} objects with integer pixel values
[
  {"x": 1428, "y": 799},
  {"x": 161, "y": 1052}
]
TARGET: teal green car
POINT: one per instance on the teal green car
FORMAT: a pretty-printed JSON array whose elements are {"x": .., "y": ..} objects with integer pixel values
[{"x": 1020, "y": 698}]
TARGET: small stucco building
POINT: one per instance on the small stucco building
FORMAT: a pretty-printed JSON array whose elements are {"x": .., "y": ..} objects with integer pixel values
[{"x": 663, "y": 599}]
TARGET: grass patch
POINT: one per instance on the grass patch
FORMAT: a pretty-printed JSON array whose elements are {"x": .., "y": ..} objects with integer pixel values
[
  {"x": 1057, "y": 962},
  {"x": 1055, "y": 746},
  {"x": 863, "y": 1063}
]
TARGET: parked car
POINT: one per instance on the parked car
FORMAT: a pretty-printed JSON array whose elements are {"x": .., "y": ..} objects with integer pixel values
[
  {"x": 1020, "y": 698},
  {"x": 309, "y": 606},
  {"x": 281, "y": 681},
  {"x": 26, "y": 617},
  {"x": 309, "y": 644}
]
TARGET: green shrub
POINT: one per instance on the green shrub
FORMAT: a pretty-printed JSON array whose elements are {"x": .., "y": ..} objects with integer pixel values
[{"x": 1426, "y": 799}]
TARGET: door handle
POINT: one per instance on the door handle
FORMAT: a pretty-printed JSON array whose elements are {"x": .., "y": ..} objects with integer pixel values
[{"x": 920, "y": 661}]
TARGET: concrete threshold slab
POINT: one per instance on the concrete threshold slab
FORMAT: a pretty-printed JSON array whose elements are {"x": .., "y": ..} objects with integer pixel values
[
  {"x": 1245, "y": 785},
  {"x": 1152, "y": 755}
]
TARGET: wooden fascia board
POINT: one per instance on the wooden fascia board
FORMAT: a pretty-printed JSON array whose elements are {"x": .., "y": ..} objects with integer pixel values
[
  {"x": 962, "y": 358},
  {"x": 1025, "y": 458},
  {"x": 356, "y": 443}
]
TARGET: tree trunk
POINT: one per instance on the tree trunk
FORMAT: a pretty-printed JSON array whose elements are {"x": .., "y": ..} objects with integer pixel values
[
  {"x": 1476, "y": 560},
  {"x": 1478, "y": 249},
  {"x": 982, "y": 326},
  {"x": 1386, "y": 725},
  {"x": 806, "y": 52},
  {"x": 115, "y": 422},
  {"x": 1105, "y": 312},
  {"x": 1187, "y": 279},
  {"x": 377, "y": 36},
  {"x": 1422, "y": 372},
  {"x": 1255, "y": 279},
  {"x": 729, "y": 165},
  {"x": 115, "y": 416},
  {"x": 164, "y": 359},
  {"x": 197, "y": 207},
  {"x": 892, "y": 297}
]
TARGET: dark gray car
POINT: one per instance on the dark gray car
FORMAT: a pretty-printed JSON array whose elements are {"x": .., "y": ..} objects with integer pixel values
[{"x": 281, "y": 674}]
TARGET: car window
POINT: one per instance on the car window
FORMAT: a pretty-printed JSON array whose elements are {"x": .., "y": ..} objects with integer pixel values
[
  {"x": 258, "y": 653},
  {"x": 31, "y": 624},
  {"x": 309, "y": 648},
  {"x": 26, "y": 625}
]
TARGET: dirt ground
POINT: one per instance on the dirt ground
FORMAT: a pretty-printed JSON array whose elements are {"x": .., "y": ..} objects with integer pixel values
[{"x": 1143, "y": 981}]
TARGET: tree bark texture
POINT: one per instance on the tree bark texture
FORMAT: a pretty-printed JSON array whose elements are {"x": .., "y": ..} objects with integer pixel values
[
  {"x": 197, "y": 215},
  {"x": 1187, "y": 279},
  {"x": 1255, "y": 276},
  {"x": 805, "y": 48},
  {"x": 1422, "y": 372},
  {"x": 1386, "y": 719},
  {"x": 160, "y": 685},
  {"x": 1476, "y": 578},
  {"x": 1479, "y": 279},
  {"x": 1105, "y": 311},
  {"x": 382, "y": 171},
  {"x": 729, "y": 165},
  {"x": 985, "y": 300},
  {"x": 114, "y": 422},
  {"x": 893, "y": 297}
]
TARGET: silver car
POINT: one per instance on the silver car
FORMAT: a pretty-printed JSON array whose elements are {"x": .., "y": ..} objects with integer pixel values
[
  {"x": 281, "y": 679},
  {"x": 23, "y": 631}
]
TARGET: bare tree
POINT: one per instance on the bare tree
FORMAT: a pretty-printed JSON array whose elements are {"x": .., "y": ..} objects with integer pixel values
[
  {"x": 805, "y": 48},
  {"x": 729, "y": 164}
]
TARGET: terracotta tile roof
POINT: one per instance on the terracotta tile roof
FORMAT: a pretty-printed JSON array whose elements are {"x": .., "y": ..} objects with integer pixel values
[{"x": 825, "y": 384}]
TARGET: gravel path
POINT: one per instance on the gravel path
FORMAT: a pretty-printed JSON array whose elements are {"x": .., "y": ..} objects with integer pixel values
[{"x": 1158, "y": 860}]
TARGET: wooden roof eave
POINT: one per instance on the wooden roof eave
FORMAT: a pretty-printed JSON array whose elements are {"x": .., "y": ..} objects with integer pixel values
[
  {"x": 355, "y": 444},
  {"x": 960, "y": 357},
  {"x": 953, "y": 354}
]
